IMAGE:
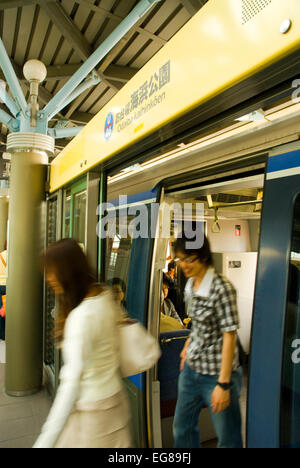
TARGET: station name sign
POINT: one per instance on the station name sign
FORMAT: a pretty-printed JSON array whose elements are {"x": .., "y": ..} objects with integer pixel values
[{"x": 149, "y": 95}]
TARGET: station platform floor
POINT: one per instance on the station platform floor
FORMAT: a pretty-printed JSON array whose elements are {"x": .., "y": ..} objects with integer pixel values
[{"x": 21, "y": 418}]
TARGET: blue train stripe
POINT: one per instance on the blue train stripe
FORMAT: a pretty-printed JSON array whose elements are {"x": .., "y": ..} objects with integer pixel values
[
  {"x": 140, "y": 197},
  {"x": 282, "y": 162},
  {"x": 137, "y": 380}
]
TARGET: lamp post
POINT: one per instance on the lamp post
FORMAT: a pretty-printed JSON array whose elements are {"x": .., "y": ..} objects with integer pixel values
[
  {"x": 24, "y": 319},
  {"x": 35, "y": 72}
]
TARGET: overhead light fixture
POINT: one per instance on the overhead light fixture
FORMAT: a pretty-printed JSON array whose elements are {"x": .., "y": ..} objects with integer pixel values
[
  {"x": 133, "y": 168},
  {"x": 255, "y": 116},
  {"x": 226, "y": 133},
  {"x": 35, "y": 72}
]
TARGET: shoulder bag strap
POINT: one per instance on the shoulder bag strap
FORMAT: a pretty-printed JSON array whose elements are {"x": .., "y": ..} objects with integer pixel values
[{"x": 2, "y": 260}]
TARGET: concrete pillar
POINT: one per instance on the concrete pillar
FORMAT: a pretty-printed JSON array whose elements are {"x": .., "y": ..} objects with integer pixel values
[
  {"x": 24, "y": 316},
  {"x": 3, "y": 221}
]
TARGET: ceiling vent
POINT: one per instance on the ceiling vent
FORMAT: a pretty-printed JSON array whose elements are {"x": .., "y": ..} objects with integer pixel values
[{"x": 251, "y": 8}]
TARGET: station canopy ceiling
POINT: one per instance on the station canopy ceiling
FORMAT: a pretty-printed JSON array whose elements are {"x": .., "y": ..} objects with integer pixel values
[{"x": 64, "y": 33}]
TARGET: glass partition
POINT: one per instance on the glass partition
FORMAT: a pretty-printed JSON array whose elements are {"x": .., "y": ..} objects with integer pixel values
[
  {"x": 74, "y": 212},
  {"x": 67, "y": 214},
  {"x": 127, "y": 255},
  {"x": 79, "y": 228}
]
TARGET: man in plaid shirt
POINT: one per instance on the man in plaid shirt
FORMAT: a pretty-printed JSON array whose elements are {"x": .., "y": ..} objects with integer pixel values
[{"x": 210, "y": 374}]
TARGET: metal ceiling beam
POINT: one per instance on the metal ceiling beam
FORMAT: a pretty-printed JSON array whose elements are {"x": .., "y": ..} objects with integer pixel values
[
  {"x": 8, "y": 101},
  {"x": 61, "y": 143},
  {"x": 191, "y": 6},
  {"x": 120, "y": 73},
  {"x": 11, "y": 78},
  {"x": 8, "y": 121},
  {"x": 118, "y": 48},
  {"x": 85, "y": 85},
  {"x": 59, "y": 133},
  {"x": 71, "y": 33},
  {"x": 136, "y": 15},
  {"x": 45, "y": 96},
  {"x": 81, "y": 118},
  {"x": 113, "y": 72},
  {"x": 62, "y": 72},
  {"x": 17, "y": 68},
  {"x": 67, "y": 28},
  {"x": 6, "y": 4},
  {"x": 74, "y": 36},
  {"x": 107, "y": 14}
]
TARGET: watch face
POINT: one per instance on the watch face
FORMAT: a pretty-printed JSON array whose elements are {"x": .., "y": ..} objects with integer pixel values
[{"x": 225, "y": 386}]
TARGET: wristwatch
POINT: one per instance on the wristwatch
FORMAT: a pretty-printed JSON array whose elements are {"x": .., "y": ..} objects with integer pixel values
[{"x": 225, "y": 386}]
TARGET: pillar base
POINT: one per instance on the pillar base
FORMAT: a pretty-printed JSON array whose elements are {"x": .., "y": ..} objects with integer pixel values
[{"x": 23, "y": 394}]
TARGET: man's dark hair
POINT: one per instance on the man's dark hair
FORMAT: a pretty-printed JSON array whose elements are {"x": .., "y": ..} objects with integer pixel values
[{"x": 203, "y": 254}]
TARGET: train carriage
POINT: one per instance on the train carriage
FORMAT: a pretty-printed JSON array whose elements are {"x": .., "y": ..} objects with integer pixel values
[{"x": 210, "y": 121}]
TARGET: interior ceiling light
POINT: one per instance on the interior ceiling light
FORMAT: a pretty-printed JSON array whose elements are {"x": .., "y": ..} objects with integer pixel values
[
  {"x": 134, "y": 168},
  {"x": 229, "y": 132},
  {"x": 255, "y": 116}
]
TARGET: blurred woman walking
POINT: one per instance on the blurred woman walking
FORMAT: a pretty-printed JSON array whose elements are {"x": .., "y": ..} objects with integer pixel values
[{"x": 90, "y": 409}]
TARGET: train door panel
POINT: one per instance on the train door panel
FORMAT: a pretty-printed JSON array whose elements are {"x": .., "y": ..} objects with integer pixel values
[
  {"x": 51, "y": 354},
  {"x": 227, "y": 206},
  {"x": 74, "y": 212},
  {"x": 274, "y": 385}
]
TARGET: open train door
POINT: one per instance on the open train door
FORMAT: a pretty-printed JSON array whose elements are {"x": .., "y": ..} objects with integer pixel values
[
  {"x": 274, "y": 386},
  {"x": 128, "y": 260}
]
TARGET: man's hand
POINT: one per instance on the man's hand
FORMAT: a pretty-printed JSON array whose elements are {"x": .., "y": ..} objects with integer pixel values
[
  {"x": 220, "y": 399},
  {"x": 183, "y": 359},
  {"x": 183, "y": 354}
]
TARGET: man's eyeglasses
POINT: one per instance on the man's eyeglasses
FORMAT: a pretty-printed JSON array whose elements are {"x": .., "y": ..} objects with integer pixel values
[{"x": 186, "y": 260}]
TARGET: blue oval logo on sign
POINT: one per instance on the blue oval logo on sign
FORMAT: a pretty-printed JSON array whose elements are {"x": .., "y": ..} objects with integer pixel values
[{"x": 109, "y": 126}]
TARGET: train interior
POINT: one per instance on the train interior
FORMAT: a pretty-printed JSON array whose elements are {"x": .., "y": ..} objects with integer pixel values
[{"x": 231, "y": 213}]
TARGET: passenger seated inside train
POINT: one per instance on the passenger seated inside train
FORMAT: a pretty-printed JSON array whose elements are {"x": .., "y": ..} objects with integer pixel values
[
  {"x": 171, "y": 273},
  {"x": 167, "y": 306},
  {"x": 119, "y": 290},
  {"x": 170, "y": 276}
]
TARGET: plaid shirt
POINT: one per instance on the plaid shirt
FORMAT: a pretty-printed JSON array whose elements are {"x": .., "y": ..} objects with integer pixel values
[{"x": 213, "y": 311}]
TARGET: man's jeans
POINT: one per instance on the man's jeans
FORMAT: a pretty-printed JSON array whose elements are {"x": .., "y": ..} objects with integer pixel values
[{"x": 195, "y": 391}]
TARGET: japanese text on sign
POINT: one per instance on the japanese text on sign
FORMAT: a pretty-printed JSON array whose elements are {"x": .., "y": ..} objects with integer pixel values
[{"x": 146, "y": 91}]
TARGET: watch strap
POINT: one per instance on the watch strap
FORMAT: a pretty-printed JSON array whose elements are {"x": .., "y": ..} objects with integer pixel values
[{"x": 225, "y": 386}]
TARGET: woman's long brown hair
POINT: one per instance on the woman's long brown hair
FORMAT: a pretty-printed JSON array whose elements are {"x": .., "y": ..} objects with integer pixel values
[{"x": 67, "y": 261}]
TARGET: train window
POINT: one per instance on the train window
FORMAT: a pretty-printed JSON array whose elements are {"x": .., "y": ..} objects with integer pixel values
[
  {"x": 79, "y": 217},
  {"x": 118, "y": 262},
  {"x": 126, "y": 263},
  {"x": 290, "y": 391},
  {"x": 67, "y": 215},
  {"x": 74, "y": 213}
]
